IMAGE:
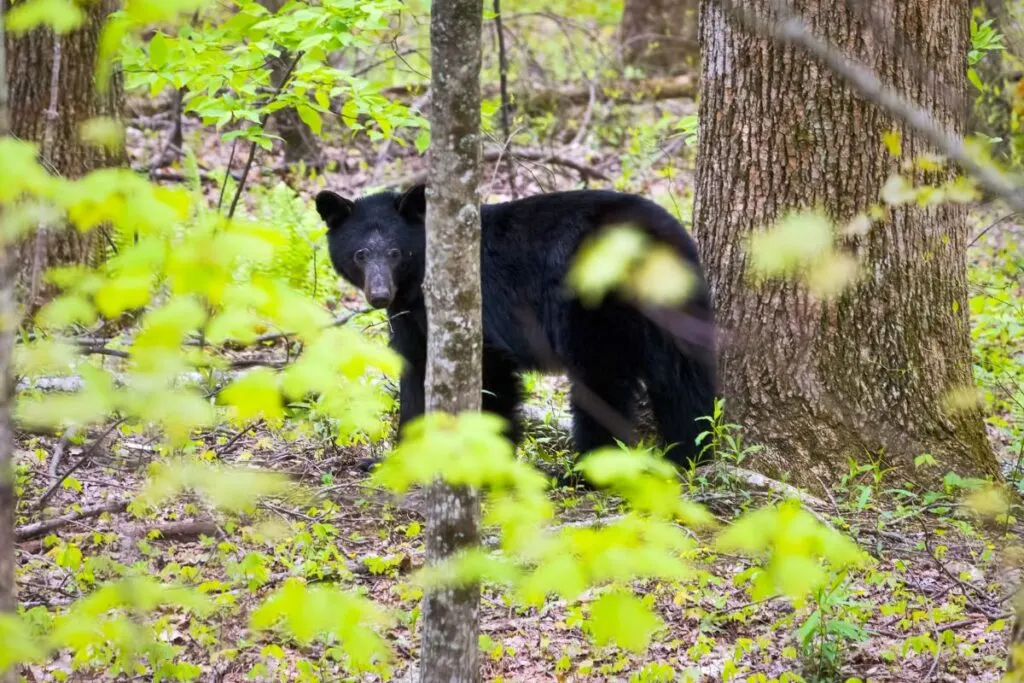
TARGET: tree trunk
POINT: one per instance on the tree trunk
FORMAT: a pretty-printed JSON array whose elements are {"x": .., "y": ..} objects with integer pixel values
[
  {"x": 8, "y": 318},
  {"x": 454, "y": 349},
  {"x": 660, "y": 36},
  {"x": 300, "y": 143},
  {"x": 864, "y": 375},
  {"x": 30, "y": 70}
]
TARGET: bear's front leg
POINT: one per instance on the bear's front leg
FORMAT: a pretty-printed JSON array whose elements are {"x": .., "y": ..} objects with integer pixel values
[{"x": 411, "y": 397}]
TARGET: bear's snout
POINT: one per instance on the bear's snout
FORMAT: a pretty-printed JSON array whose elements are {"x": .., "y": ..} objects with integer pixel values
[{"x": 378, "y": 286}]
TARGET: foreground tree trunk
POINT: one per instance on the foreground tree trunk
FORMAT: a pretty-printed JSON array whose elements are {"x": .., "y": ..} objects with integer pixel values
[
  {"x": 865, "y": 375},
  {"x": 30, "y": 69},
  {"x": 8, "y": 316},
  {"x": 454, "y": 349},
  {"x": 660, "y": 36}
]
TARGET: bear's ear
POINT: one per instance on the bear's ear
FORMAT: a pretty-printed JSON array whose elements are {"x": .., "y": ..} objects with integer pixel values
[
  {"x": 413, "y": 203},
  {"x": 333, "y": 208}
]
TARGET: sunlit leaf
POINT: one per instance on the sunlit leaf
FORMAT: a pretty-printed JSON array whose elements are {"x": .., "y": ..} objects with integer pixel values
[
  {"x": 898, "y": 190},
  {"x": 620, "y": 618},
  {"x": 662, "y": 278},
  {"x": 830, "y": 275},
  {"x": 103, "y": 132},
  {"x": 603, "y": 262},
  {"x": 255, "y": 394},
  {"x": 795, "y": 241},
  {"x": 59, "y": 15},
  {"x": 893, "y": 141}
]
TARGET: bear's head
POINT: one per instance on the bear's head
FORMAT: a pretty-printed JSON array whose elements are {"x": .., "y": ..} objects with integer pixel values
[{"x": 377, "y": 243}]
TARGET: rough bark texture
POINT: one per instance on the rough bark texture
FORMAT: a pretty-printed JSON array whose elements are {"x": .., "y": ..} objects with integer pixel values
[
  {"x": 865, "y": 375},
  {"x": 29, "y": 72},
  {"x": 8, "y": 316},
  {"x": 454, "y": 348},
  {"x": 300, "y": 143},
  {"x": 660, "y": 36}
]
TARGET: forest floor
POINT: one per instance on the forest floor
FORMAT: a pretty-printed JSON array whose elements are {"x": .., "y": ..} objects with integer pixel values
[{"x": 934, "y": 606}]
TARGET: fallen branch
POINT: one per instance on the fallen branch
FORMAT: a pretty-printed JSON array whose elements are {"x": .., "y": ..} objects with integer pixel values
[
  {"x": 586, "y": 171},
  {"x": 758, "y": 481},
  {"x": 46, "y": 526},
  {"x": 179, "y": 531},
  {"x": 624, "y": 90}
]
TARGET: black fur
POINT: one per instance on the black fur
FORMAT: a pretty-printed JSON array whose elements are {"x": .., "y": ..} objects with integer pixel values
[{"x": 527, "y": 247}]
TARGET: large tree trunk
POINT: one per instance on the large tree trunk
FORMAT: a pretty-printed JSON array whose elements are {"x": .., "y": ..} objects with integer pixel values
[
  {"x": 660, "y": 36},
  {"x": 30, "y": 61},
  {"x": 450, "y": 651},
  {"x": 864, "y": 375}
]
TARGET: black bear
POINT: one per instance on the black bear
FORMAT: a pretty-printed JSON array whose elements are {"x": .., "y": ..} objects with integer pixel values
[{"x": 378, "y": 244}]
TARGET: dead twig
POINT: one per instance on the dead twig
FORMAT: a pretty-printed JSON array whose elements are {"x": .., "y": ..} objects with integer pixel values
[
  {"x": 263, "y": 122},
  {"x": 506, "y": 127},
  {"x": 58, "y": 454},
  {"x": 37, "y": 529},
  {"x": 85, "y": 455},
  {"x": 966, "y": 588}
]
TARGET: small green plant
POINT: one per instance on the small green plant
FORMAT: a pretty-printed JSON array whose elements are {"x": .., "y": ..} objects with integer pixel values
[
  {"x": 724, "y": 440},
  {"x": 833, "y": 625}
]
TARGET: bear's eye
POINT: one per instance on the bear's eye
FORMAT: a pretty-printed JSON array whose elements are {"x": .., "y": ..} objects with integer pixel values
[
  {"x": 361, "y": 255},
  {"x": 394, "y": 254}
]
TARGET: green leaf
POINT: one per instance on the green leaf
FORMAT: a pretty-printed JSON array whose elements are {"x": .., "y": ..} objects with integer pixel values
[
  {"x": 795, "y": 241},
  {"x": 620, "y": 618},
  {"x": 158, "y": 50},
  {"x": 898, "y": 190},
  {"x": 19, "y": 644},
  {"x": 66, "y": 310},
  {"x": 311, "y": 117},
  {"x": 103, "y": 132},
  {"x": 663, "y": 278},
  {"x": 123, "y": 293},
  {"x": 322, "y": 612},
  {"x": 166, "y": 327},
  {"x": 254, "y": 395},
  {"x": 60, "y": 15},
  {"x": 975, "y": 79},
  {"x": 45, "y": 356},
  {"x": 893, "y": 141},
  {"x": 422, "y": 141},
  {"x": 603, "y": 262}
]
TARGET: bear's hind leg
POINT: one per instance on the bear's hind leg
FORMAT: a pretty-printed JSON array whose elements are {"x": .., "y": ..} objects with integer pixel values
[
  {"x": 681, "y": 389},
  {"x": 503, "y": 392}
]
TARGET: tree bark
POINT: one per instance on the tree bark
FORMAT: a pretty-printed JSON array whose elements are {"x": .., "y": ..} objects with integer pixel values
[
  {"x": 29, "y": 72},
  {"x": 8, "y": 318},
  {"x": 864, "y": 375},
  {"x": 453, "y": 300},
  {"x": 660, "y": 36},
  {"x": 300, "y": 143}
]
